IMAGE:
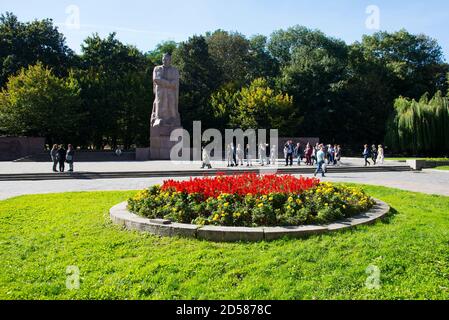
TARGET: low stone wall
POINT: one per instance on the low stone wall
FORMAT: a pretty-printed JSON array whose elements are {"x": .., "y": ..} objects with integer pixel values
[
  {"x": 425, "y": 164},
  {"x": 12, "y": 148},
  {"x": 121, "y": 216}
]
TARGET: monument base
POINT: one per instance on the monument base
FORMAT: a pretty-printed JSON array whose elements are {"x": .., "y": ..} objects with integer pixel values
[
  {"x": 142, "y": 154},
  {"x": 160, "y": 144}
]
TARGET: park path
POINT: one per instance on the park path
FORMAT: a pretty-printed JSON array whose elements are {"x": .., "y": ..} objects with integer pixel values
[
  {"x": 427, "y": 181},
  {"x": 162, "y": 166}
]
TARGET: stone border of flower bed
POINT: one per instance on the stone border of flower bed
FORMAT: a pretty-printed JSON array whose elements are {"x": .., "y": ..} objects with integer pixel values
[{"x": 121, "y": 216}]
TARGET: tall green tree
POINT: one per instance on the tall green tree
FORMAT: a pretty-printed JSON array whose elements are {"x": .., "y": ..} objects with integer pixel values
[
  {"x": 156, "y": 55},
  {"x": 256, "y": 106},
  {"x": 199, "y": 79},
  {"x": 230, "y": 52},
  {"x": 420, "y": 127},
  {"x": 24, "y": 44},
  {"x": 117, "y": 92},
  {"x": 365, "y": 100},
  {"x": 415, "y": 62},
  {"x": 314, "y": 72},
  {"x": 38, "y": 103},
  {"x": 262, "y": 63}
]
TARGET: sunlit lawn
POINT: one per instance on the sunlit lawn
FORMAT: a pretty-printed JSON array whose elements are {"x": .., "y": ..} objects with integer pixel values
[{"x": 41, "y": 235}]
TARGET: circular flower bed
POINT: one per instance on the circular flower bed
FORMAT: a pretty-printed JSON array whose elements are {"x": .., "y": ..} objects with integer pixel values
[{"x": 250, "y": 201}]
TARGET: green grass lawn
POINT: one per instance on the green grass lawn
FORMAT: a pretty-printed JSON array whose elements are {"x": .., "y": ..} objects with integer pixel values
[
  {"x": 443, "y": 168},
  {"x": 41, "y": 235}
]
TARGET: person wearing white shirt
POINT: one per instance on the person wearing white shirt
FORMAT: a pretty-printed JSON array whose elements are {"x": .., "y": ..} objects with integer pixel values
[
  {"x": 240, "y": 155},
  {"x": 273, "y": 155},
  {"x": 380, "y": 154},
  {"x": 262, "y": 154},
  {"x": 320, "y": 157},
  {"x": 229, "y": 155},
  {"x": 249, "y": 156},
  {"x": 206, "y": 160}
]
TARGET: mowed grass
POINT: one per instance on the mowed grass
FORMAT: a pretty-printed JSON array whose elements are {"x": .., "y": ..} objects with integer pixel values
[
  {"x": 445, "y": 168},
  {"x": 41, "y": 235}
]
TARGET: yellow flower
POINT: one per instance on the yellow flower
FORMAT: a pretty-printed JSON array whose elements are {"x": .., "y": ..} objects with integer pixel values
[
  {"x": 271, "y": 199},
  {"x": 290, "y": 199},
  {"x": 226, "y": 204},
  {"x": 289, "y": 208},
  {"x": 216, "y": 217},
  {"x": 142, "y": 195},
  {"x": 260, "y": 205},
  {"x": 298, "y": 201}
]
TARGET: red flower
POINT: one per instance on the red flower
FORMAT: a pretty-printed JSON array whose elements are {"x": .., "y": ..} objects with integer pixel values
[{"x": 242, "y": 185}]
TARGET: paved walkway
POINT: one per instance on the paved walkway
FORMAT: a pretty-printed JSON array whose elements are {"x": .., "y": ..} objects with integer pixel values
[
  {"x": 428, "y": 181},
  {"x": 43, "y": 167}
]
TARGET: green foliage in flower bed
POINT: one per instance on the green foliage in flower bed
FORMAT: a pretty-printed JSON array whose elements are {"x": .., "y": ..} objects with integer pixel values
[{"x": 322, "y": 204}]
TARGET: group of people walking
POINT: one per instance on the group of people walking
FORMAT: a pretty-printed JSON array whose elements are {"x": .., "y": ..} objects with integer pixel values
[
  {"x": 376, "y": 154},
  {"x": 60, "y": 156},
  {"x": 236, "y": 155},
  {"x": 320, "y": 155},
  {"x": 239, "y": 156},
  {"x": 309, "y": 153}
]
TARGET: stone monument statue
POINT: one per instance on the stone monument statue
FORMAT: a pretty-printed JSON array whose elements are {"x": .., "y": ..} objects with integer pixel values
[
  {"x": 165, "y": 116},
  {"x": 166, "y": 91}
]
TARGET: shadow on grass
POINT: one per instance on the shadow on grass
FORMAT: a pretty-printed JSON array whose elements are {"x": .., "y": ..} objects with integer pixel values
[{"x": 389, "y": 217}]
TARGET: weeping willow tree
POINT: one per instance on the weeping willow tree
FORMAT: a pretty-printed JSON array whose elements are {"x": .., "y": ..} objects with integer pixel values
[{"x": 420, "y": 127}]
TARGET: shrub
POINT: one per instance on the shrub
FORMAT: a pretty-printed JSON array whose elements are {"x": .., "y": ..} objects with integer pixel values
[{"x": 311, "y": 202}]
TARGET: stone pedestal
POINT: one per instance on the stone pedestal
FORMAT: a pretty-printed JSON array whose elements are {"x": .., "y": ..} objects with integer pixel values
[
  {"x": 160, "y": 144},
  {"x": 142, "y": 154},
  {"x": 417, "y": 165}
]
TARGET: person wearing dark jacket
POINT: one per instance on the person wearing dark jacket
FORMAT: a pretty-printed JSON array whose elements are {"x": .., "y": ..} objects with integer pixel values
[
  {"x": 61, "y": 158},
  {"x": 299, "y": 153},
  {"x": 366, "y": 155},
  {"x": 70, "y": 157},
  {"x": 290, "y": 150},
  {"x": 374, "y": 154}
]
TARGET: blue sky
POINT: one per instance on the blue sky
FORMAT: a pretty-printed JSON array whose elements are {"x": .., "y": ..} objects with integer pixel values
[{"x": 145, "y": 23}]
